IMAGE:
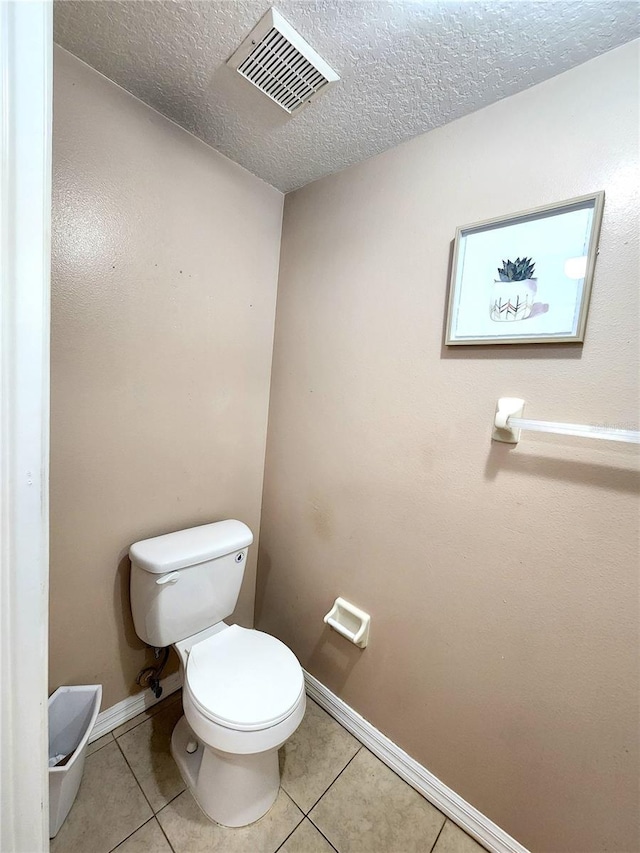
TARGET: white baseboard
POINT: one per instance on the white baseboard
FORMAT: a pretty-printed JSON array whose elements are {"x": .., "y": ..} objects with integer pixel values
[
  {"x": 122, "y": 712},
  {"x": 474, "y": 823}
]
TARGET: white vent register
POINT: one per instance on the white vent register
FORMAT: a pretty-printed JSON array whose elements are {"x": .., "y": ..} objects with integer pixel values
[{"x": 276, "y": 59}]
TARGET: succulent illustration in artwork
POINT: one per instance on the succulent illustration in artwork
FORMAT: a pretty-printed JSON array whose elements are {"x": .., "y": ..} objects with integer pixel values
[
  {"x": 519, "y": 270},
  {"x": 514, "y": 293}
]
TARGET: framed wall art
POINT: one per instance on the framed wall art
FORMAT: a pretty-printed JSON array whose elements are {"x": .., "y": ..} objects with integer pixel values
[{"x": 525, "y": 278}]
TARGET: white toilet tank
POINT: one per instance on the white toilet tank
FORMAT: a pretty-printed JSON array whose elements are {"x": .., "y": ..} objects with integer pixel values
[{"x": 184, "y": 582}]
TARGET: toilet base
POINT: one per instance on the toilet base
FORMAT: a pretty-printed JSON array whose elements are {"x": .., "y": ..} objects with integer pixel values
[{"x": 233, "y": 790}]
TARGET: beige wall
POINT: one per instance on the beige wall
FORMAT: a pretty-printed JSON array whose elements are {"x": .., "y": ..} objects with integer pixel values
[
  {"x": 502, "y": 582},
  {"x": 165, "y": 260}
]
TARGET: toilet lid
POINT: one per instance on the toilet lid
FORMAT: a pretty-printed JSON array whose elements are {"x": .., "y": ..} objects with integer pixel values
[{"x": 244, "y": 679}]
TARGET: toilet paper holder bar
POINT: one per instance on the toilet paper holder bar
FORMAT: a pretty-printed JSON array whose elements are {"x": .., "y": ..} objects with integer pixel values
[{"x": 349, "y": 621}]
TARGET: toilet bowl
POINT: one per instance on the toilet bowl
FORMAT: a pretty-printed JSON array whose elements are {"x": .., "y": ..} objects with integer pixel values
[
  {"x": 243, "y": 690},
  {"x": 243, "y": 697}
]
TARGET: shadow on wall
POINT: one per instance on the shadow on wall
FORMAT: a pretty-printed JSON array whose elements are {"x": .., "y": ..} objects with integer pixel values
[
  {"x": 335, "y": 655},
  {"x": 331, "y": 653},
  {"x": 127, "y": 637},
  {"x": 262, "y": 578},
  {"x": 619, "y": 479}
]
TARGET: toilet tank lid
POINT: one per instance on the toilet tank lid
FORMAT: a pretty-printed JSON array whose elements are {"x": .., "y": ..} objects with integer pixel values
[{"x": 190, "y": 547}]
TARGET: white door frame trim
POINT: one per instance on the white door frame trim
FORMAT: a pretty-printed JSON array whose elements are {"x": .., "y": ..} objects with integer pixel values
[{"x": 26, "y": 49}]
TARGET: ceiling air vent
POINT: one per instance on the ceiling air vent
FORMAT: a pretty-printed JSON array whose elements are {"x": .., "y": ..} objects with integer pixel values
[{"x": 276, "y": 59}]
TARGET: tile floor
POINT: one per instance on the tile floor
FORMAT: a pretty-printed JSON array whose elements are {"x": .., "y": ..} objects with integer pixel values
[{"x": 335, "y": 796}]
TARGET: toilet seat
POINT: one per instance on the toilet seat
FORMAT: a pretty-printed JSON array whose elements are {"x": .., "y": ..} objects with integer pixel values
[{"x": 243, "y": 679}]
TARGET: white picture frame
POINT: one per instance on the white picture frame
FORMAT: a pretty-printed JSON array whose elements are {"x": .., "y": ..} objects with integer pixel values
[{"x": 525, "y": 278}]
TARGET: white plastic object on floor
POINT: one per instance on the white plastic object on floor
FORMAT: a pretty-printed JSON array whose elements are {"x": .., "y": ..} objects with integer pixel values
[
  {"x": 72, "y": 715},
  {"x": 243, "y": 691},
  {"x": 233, "y": 776},
  {"x": 232, "y": 790},
  {"x": 349, "y": 621}
]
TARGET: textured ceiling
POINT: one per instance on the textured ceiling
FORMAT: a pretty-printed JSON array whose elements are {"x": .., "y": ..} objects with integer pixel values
[{"x": 406, "y": 67}]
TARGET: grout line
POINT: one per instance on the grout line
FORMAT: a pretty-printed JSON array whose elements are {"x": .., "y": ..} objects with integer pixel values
[
  {"x": 103, "y": 745},
  {"x": 322, "y": 834},
  {"x": 142, "y": 789},
  {"x": 300, "y": 822},
  {"x": 439, "y": 834},
  {"x": 448, "y": 802},
  {"x": 168, "y": 803},
  {"x": 332, "y": 783},
  {"x": 114, "y": 849},
  {"x": 135, "y": 777},
  {"x": 162, "y": 828},
  {"x": 149, "y": 714}
]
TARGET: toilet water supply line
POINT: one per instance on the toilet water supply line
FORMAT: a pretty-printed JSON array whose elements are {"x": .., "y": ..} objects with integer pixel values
[{"x": 150, "y": 675}]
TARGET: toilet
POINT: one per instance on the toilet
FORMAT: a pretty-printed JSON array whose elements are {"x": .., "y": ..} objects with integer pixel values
[{"x": 243, "y": 690}]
